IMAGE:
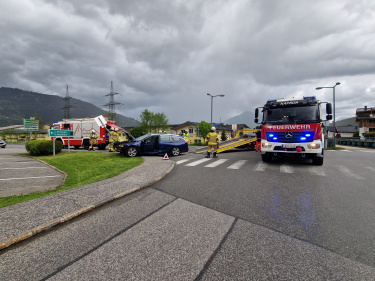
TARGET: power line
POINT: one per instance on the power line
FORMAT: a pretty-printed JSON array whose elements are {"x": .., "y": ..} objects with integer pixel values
[
  {"x": 111, "y": 104},
  {"x": 67, "y": 105}
]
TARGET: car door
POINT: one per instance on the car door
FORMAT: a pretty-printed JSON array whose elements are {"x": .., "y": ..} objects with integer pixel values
[
  {"x": 165, "y": 144},
  {"x": 150, "y": 145}
]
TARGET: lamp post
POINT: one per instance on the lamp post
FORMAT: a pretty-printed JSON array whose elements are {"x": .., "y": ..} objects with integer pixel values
[
  {"x": 334, "y": 113},
  {"x": 212, "y": 100}
]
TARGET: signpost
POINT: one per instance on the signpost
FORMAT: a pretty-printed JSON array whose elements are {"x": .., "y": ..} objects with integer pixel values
[
  {"x": 60, "y": 133},
  {"x": 31, "y": 125}
]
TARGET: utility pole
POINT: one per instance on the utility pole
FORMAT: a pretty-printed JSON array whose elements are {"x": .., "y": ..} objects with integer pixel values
[
  {"x": 111, "y": 104},
  {"x": 67, "y": 105}
]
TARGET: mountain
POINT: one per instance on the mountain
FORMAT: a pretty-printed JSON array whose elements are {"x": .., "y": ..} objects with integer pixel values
[
  {"x": 244, "y": 118},
  {"x": 16, "y": 105}
]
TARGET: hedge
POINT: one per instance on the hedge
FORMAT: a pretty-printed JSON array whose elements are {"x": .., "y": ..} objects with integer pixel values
[{"x": 42, "y": 147}]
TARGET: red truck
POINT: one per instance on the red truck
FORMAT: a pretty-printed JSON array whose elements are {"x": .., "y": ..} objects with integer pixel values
[
  {"x": 82, "y": 128},
  {"x": 293, "y": 128}
]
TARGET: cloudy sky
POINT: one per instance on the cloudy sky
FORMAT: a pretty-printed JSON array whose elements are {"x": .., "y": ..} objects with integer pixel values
[{"x": 166, "y": 55}]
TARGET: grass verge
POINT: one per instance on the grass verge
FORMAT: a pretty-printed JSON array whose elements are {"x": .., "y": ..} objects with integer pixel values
[{"x": 81, "y": 168}]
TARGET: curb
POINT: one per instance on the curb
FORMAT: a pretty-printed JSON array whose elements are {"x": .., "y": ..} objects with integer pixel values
[{"x": 48, "y": 225}]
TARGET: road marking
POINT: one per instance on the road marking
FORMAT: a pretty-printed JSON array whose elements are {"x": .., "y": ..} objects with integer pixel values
[
  {"x": 371, "y": 168},
  {"x": 346, "y": 171},
  {"x": 261, "y": 167},
  {"x": 237, "y": 165},
  {"x": 182, "y": 161},
  {"x": 317, "y": 171},
  {"x": 15, "y": 162},
  {"x": 195, "y": 163},
  {"x": 216, "y": 163},
  {"x": 29, "y": 178},
  {"x": 286, "y": 169},
  {"x": 24, "y": 168}
]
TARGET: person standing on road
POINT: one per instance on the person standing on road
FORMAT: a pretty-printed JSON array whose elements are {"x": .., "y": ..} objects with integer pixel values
[
  {"x": 111, "y": 139},
  {"x": 93, "y": 140},
  {"x": 213, "y": 142},
  {"x": 117, "y": 139},
  {"x": 186, "y": 136},
  {"x": 259, "y": 140}
]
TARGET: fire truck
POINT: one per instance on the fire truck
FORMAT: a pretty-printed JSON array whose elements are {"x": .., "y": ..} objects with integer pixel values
[
  {"x": 293, "y": 128},
  {"x": 82, "y": 128}
]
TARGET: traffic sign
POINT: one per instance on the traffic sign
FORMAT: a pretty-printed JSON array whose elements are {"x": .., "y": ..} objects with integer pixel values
[
  {"x": 31, "y": 125},
  {"x": 60, "y": 133}
]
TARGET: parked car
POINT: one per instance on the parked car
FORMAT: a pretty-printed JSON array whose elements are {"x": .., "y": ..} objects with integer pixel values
[
  {"x": 3, "y": 144},
  {"x": 154, "y": 144}
]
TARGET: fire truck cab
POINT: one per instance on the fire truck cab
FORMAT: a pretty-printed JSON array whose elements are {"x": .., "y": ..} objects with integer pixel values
[{"x": 293, "y": 128}]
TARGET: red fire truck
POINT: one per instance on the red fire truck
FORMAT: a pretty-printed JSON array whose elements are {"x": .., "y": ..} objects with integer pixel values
[
  {"x": 82, "y": 128},
  {"x": 293, "y": 128}
]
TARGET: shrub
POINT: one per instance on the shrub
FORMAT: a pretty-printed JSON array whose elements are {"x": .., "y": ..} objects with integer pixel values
[
  {"x": 370, "y": 135},
  {"x": 42, "y": 147}
]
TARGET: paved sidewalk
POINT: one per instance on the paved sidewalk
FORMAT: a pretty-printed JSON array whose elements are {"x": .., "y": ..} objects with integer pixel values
[{"x": 21, "y": 221}]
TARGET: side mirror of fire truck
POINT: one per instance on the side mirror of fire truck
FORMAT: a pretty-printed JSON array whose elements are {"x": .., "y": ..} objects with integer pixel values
[
  {"x": 329, "y": 111},
  {"x": 329, "y": 108},
  {"x": 256, "y": 115}
]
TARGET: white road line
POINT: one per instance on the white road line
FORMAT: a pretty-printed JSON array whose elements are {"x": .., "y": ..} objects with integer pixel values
[
  {"x": 371, "y": 168},
  {"x": 349, "y": 173},
  {"x": 237, "y": 165},
  {"x": 216, "y": 163},
  {"x": 286, "y": 169},
  {"x": 195, "y": 163},
  {"x": 261, "y": 167},
  {"x": 317, "y": 171},
  {"x": 9, "y": 179},
  {"x": 182, "y": 161},
  {"x": 14, "y": 162},
  {"x": 24, "y": 168}
]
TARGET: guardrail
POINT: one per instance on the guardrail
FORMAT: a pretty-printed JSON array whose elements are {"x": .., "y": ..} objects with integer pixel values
[{"x": 367, "y": 142}]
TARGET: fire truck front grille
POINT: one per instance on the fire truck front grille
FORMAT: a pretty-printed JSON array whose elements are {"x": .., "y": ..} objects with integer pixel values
[{"x": 290, "y": 137}]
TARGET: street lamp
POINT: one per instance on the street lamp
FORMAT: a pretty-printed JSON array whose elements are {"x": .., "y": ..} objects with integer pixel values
[
  {"x": 334, "y": 114},
  {"x": 212, "y": 99}
]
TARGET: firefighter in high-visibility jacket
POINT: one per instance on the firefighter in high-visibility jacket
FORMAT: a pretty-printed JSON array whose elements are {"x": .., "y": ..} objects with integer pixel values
[
  {"x": 93, "y": 140},
  {"x": 111, "y": 139},
  {"x": 212, "y": 142}
]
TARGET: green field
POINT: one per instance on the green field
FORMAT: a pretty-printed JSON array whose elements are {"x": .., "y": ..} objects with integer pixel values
[{"x": 81, "y": 168}]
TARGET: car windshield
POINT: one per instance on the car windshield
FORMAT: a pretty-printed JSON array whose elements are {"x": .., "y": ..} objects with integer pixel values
[
  {"x": 142, "y": 137},
  {"x": 291, "y": 115}
]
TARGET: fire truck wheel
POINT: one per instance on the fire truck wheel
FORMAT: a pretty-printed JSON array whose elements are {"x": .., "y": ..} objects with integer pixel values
[
  {"x": 318, "y": 161},
  {"x": 86, "y": 145},
  {"x": 266, "y": 158},
  {"x": 132, "y": 151}
]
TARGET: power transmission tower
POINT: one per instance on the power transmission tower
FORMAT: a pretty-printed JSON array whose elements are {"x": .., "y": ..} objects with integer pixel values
[
  {"x": 111, "y": 104},
  {"x": 67, "y": 105}
]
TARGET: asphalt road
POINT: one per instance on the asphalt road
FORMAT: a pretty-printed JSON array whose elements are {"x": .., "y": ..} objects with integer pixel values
[{"x": 234, "y": 218}]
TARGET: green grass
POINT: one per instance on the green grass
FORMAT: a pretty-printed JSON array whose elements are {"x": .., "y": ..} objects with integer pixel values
[{"x": 81, "y": 168}]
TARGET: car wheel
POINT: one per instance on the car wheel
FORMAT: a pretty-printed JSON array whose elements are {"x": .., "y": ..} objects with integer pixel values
[
  {"x": 175, "y": 151},
  {"x": 131, "y": 151}
]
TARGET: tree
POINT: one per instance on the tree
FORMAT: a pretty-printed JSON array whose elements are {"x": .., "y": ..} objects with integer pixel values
[
  {"x": 137, "y": 132},
  {"x": 146, "y": 120},
  {"x": 203, "y": 128},
  {"x": 153, "y": 122},
  {"x": 160, "y": 122},
  {"x": 224, "y": 136}
]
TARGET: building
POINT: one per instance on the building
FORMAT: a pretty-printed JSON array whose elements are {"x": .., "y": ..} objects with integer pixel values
[{"x": 365, "y": 117}]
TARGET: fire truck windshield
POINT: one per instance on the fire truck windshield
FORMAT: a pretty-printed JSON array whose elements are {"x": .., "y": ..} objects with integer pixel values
[{"x": 291, "y": 115}]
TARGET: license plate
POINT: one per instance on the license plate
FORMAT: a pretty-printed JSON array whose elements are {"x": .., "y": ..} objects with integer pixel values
[{"x": 289, "y": 145}]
